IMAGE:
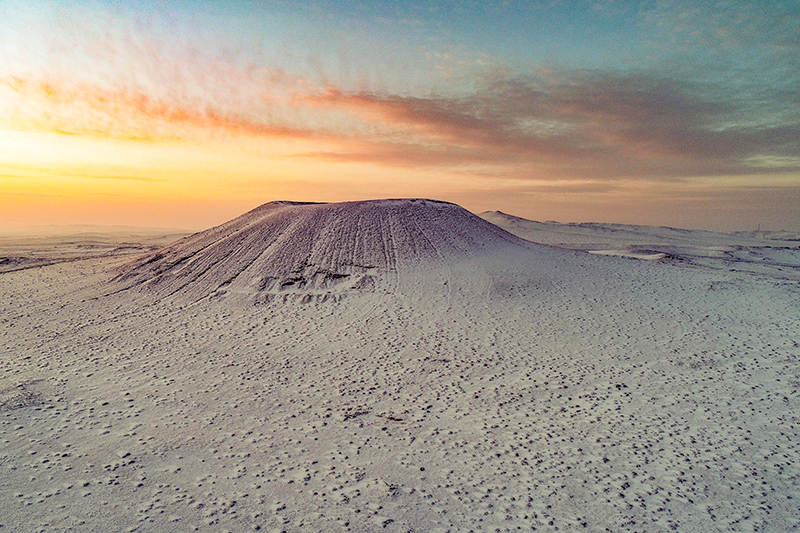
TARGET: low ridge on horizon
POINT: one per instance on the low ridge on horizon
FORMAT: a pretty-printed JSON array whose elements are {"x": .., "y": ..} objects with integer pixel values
[{"x": 773, "y": 234}]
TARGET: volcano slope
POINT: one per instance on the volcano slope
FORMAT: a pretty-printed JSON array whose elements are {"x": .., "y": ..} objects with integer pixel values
[
  {"x": 395, "y": 366},
  {"x": 289, "y": 248}
]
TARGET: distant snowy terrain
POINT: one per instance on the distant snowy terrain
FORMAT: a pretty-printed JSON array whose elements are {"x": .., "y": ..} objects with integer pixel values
[
  {"x": 47, "y": 245},
  {"x": 402, "y": 365},
  {"x": 770, "y": 253}
]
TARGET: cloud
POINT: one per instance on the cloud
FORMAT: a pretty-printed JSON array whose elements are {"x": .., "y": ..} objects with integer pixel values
[
  {"x": 581, "y": 123},
  {"x": 122, "y": 178},
  {"x": 67, "y": 108},
  {"x": 27, "y": 171},
  {"x": 722, "y": 28},
  {"x": 557, "y": 124}
]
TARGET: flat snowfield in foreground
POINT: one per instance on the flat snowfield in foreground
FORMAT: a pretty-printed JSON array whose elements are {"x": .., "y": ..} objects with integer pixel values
[{"x": 395, "y": 366}]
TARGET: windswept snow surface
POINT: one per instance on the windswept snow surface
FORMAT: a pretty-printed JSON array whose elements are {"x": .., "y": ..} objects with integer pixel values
[
  {"x": 768, "y": 253},
  {"x": 315, "y": 249},
  {"x": 475, "y": 382}
]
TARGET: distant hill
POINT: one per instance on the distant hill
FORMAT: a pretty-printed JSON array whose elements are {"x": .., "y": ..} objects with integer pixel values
[{"x": 774, "y": 253}]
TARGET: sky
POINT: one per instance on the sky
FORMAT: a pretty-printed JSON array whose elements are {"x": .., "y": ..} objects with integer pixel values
[{"x": 185, "y": 114}]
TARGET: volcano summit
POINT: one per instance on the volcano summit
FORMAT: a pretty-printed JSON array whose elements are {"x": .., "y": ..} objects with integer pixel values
[{"x": 316, "y": 249}]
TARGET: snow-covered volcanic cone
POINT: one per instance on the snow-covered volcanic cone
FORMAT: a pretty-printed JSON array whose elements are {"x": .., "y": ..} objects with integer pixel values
[{"x": 315, "y": 249}]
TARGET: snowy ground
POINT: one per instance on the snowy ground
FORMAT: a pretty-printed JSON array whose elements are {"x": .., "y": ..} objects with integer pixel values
[
  {"x": 770, "y": 253},
  {"x": 49, "y": 245},
  {"x": 395, "y": 366}
]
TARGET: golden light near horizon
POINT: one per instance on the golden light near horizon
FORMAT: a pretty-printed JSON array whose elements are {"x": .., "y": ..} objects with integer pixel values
[{"x": 65, "y": 151}]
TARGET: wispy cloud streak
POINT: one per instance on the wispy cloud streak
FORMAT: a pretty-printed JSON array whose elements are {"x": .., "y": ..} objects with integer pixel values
[
  {"x": 71, "y": 109},
  {"x": 600, "y": 123},
  {"x": 562, "y": 124}
]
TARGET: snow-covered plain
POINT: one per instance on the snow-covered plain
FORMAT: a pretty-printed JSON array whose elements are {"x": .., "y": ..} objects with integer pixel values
[
  {"x": 397, "y": 365},
  {"x": 771, "y": 253}
]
